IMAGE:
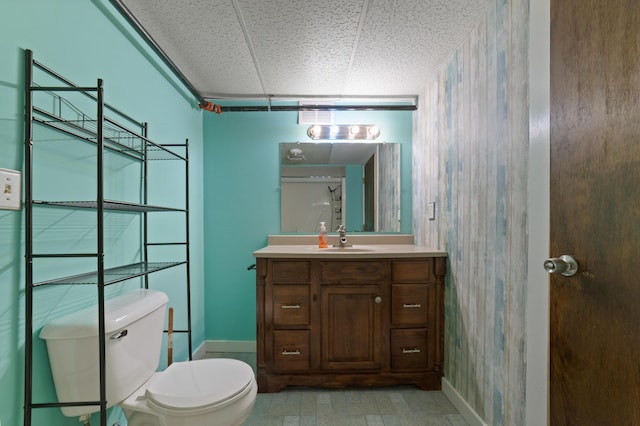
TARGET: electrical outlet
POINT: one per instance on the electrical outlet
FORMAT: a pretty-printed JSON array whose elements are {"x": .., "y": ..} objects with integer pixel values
[{"x": 10, "y": 195}]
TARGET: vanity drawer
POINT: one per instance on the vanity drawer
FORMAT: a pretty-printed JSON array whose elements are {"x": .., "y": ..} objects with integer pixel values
[
  {"x": 290, "y": 305},
  {"x": 290, "y": 272},
  {"x": 412, "y": 271},
  {"x": 409, "y": 349},
  {"x": 291, "y": 350},
  {"x": 410, "y": 304},
  {"x": 352, "y": 272}
]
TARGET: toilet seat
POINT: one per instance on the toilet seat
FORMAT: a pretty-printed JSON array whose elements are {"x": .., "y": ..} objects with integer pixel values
[{"x": 199, "y": 385}]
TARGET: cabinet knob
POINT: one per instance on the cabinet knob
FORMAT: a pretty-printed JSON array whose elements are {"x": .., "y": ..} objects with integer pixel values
[{"x": 378, "y": 299}]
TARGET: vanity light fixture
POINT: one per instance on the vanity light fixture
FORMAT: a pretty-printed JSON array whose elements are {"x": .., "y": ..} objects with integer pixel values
[
  {"x": 343, "y": 132},
  {"x": 315, "y": 129}
]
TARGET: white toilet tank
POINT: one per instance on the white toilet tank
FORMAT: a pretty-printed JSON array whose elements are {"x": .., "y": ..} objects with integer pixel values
[{"x": 133, "y": 321}]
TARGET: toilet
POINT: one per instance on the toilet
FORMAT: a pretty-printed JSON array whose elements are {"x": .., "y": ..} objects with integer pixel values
[{"x": 192, "y": 393}]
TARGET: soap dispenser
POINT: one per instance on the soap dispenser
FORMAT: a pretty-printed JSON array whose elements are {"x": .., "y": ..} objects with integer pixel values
[{"x": 323, "y": 238}]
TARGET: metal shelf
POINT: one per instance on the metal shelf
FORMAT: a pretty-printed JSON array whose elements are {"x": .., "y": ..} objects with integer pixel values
[
  {"x": 116, "y": 137},
  {"x": 108, "y": 205},
  {"x": 113, "y": 275}
]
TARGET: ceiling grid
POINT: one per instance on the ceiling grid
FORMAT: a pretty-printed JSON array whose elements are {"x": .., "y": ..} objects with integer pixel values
[{"x": 338, "y": 49}]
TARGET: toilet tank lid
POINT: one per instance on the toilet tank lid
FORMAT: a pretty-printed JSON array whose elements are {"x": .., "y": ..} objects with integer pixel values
[{"x": 119, "y": 312}]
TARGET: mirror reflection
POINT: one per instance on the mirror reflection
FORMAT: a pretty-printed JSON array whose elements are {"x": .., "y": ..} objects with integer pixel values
[{"x": 351, "y": 184}]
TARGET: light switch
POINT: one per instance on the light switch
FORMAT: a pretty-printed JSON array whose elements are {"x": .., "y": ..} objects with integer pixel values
[{"x": 10, "y": 195}]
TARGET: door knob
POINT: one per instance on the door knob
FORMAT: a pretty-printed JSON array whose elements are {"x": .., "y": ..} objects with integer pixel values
[
  {"x": 378, "y": 299},
  {"x": 565, "y": 265}
]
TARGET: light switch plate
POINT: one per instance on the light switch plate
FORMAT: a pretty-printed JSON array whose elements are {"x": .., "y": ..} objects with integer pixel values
[
  {"x": 431, "y": 209},
  {"x": 10, "y": 194}
]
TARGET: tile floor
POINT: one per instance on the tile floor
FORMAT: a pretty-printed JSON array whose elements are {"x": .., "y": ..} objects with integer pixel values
[{"x": 392, "y": 406}]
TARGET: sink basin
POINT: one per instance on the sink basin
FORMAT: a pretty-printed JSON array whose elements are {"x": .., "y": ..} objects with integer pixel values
[{"x": 352, "y": 249}]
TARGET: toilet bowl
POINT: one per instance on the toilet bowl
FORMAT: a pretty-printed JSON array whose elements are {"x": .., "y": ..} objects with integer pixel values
[{"x": 194, "y": 393}]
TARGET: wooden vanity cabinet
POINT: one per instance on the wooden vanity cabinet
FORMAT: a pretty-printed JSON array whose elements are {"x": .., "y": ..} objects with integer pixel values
[{"x": 341, "y": 322}]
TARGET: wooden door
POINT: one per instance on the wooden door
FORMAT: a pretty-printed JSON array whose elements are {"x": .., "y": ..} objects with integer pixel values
[
  {"x": 370, "y": 195},
  {"x": 352, "y": 327},
  {"x": 595, "y": 212}
]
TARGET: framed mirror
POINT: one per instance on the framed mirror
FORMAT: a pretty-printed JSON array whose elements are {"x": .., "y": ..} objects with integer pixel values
[{"x": 354, "y": 184}]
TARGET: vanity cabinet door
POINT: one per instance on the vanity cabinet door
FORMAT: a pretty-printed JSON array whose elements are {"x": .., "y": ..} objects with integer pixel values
[{"x": 351, "y": 327}]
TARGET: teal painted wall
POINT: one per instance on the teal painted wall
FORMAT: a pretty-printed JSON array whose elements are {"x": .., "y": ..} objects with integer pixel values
[
  {"x": 242, "y": 202},
  {"x": 84, "y": 40},
  {"x": 355, "y": 204}
]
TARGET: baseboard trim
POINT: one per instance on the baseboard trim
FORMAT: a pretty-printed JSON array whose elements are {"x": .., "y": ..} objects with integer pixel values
[
  {"x": 229, "y": 346},
  {"x": 461, "y": 404},
  {"x": 200, "y": 352}
]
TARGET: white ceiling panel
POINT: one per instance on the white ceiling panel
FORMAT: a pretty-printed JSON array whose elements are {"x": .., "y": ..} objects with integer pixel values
[
  {"x": 337, "y": 153},
  {"x": 204, "y": 39},
  {"x": 302, "y": 48},
  {"x": 295, "y": 50}
]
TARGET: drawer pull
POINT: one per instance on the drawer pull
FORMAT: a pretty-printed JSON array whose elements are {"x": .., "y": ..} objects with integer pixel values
[
  {"x": 296, "y": 306},
  {"x": 412, "y": 305},
  {"x": 286, "y": 352},
  {"x": 410, "y": 351}
]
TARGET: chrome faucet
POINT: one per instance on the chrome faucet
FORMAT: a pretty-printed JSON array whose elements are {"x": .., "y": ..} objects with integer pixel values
[{"x": 343, "y": 236}]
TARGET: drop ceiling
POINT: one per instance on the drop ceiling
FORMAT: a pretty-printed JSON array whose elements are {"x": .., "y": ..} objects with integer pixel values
[
  {"x": 326, "y": 153},
  {"x": 256, "y": 49}
]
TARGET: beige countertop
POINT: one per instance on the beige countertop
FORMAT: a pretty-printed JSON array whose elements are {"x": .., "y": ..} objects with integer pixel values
[{"x": 362, "y": 246}]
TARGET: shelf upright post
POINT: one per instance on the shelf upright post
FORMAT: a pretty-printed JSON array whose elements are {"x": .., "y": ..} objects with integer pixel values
[
  {"x": 145, "y": 226},
  {"x": 188, "y": 259},
  {"x": 28, "y": 255},
  {"x": 100, "y": 218}
]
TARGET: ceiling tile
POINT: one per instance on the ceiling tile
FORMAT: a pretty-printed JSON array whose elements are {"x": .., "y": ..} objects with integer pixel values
[{"x": 205, "y": 41}]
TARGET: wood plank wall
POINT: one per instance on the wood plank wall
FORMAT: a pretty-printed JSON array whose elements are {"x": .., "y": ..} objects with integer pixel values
[
  {"x": 470, "y": 156},
  {"x": 389, "y": 187}
]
